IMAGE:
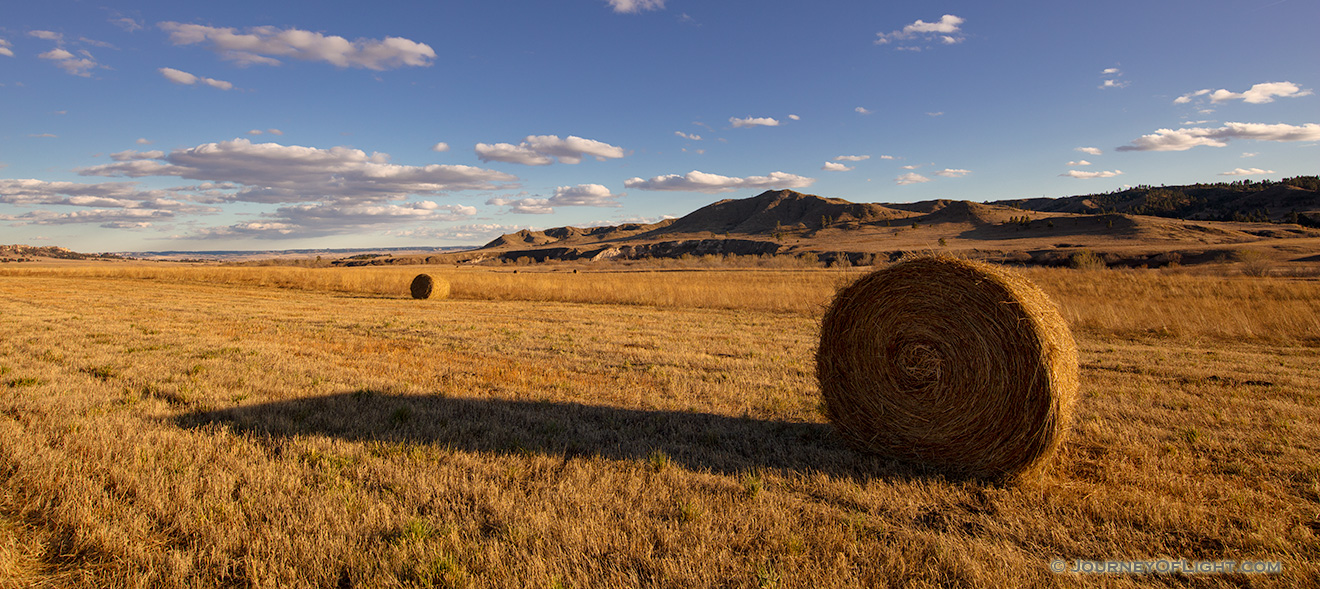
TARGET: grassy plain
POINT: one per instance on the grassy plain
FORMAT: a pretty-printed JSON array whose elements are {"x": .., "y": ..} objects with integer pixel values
[{"x": 166, "y": 426}]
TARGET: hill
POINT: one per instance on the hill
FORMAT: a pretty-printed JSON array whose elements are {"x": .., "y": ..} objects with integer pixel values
[{"x": 1191, "y": 226}]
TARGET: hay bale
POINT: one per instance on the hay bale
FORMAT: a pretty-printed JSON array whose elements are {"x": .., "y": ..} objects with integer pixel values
[
  {"x": 954, "y": 364},
  {"x": 425, "y": 287}
]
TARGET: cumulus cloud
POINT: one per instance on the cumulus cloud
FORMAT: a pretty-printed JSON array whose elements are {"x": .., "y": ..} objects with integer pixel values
[
  {"x": 635, "y": 6},
  {"x": 542, "y": 150},
  {"x": 947, "y": 31},
  {"x": 794, "y": 118},
  {"x": 953, "y": 173},
  {"x": 315, "y": 220},
  {"x": 186, "y": 79},
  {"x": 118, "y": 195},
  {"x": 861, "y": 110},
  {"x": 1246, "y": 172},
  {"x": 274, "y": 173},
  {"x": 1089, "y": 175},
  {"x": 5, "y": 48},
  {"x": 1089, "y": 150},
  {"x": 697, "y": 181},
  {"x": 835, "y": 167},
  {"x": 523, "y": 206},
  {"x": 753, "y": 122},
  {"x": 584, "y": 195},
  {"x": 1112, "y": 81},
  {"x": 910, "y": 178},
  {"x": 263, "y": 45},
  {"x": 1257, "y": 94},
  {"x": 856, "y": 158},
  {"x": 1187, "y": 138},
  {"x": 1079, "y": 163},
  {"x": 142, "y": 141},
  {"x": 440, "y": 147},
  {"x": 470, "y": 233},
  {"x": 688, "y": 136},
  {"x": 47, "y": 35},
  {"x": 127, "y": 24},
  {"x": 77, "y": 65},
  {"x": 107, "y": 218}
]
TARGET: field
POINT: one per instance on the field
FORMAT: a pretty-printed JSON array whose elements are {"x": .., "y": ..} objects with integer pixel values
[{"x": 173, "y": 426}]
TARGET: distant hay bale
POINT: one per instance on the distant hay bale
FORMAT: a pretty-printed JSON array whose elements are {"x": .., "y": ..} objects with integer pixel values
[
  {"x": 954, "y": 364},
  {"x": 425, "y": 287}
]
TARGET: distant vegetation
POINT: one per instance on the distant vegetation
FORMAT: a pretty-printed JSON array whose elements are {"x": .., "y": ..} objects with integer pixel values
[{"x": 1291, "y": 200}]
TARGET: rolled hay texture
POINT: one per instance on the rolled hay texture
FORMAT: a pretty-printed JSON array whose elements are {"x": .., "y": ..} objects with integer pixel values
[
  {"x": 957, "y": 365},
  {"x": 425, "y": 287}
]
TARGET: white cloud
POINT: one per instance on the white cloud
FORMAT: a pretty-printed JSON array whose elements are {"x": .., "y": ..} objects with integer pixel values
[
  {"x": 143, "y": 141},
  {"x": 688, "y": 136},
  {"x": 911, "y": 166},
  {"x": 275, "y": 131},
  {"x": 270, "y": 172},
  {"x": 1187, "y": 138},
  {"x": 862, "y": 110},
  {"x": 541, "y": 150},
  {"x": 947, "y": 30},
  {"x": 1246, "y": 172},
  {"x": 127, "y": 24},
  {"x": 43, "y": 135},
  {"x": 314, "y": 220},
  {"x": 935, "y": 114},
  {"x": 1079, "y": 163},
  {"x": 1250, "y": 154},
  {"x": 697, "y": 181},
  {"x": 794, "y": 118},
  {"x": 186, "y": 79},
  {"x": 910, "y": 178},
  {"x": 1258, "y": 93},
  {"x": 953, "y": 173},
  {"x": 107, "y": 218},
  {"x": 835, "y": 167},
  {"x": 5, "y": 48},
  {"x": 47, "y": 35},
  {"x": 1113, "y": 82},
  {"x": 440, "y": 147},
  {"x": 1089, "y": 175},
  {"x": 754, "y": 122},
  {"x": 886, "y": 157},
  {"x": 255, "y": 132},
  {"x": 471, "y": 233},
  {"x": 262, "y": 45},
  {"x": 1089, "y": 150},
  {"x": 120, "y": 195},
  {"x": 856, "y": 158},
  {"x": 635, "y": 6},
  {"x": 74, "y": 65},
  {"x": 584, "y": 195},
  {"x": 523, "y": 206}
]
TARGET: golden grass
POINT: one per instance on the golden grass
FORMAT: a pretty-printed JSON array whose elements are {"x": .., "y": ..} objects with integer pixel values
[
  {"x": 1116, "y": 302},
  {"x": 176, "y": 429}
]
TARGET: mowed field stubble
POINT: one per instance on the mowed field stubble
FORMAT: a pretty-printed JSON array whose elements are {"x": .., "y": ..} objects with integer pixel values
[{"x": 173, "y": 426}]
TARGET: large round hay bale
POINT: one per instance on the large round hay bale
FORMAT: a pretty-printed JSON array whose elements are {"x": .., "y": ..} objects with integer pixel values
[
  {"x": 958, "y": 365},
  {"x": 425, "y": 287}
]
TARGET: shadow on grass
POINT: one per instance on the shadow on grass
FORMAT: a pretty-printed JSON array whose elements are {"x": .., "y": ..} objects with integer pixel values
[{"x": 697, "y": 441}]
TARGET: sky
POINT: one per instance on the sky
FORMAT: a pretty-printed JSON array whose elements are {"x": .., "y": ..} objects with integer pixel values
[{"x": 237, "y": 125}]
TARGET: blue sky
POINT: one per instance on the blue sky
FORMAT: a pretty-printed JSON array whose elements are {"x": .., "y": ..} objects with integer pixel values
[{"x": 259, "y": 125}]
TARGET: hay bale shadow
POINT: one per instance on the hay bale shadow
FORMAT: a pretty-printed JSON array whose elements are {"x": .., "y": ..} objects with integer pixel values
[{"x": 696, "y": 441}]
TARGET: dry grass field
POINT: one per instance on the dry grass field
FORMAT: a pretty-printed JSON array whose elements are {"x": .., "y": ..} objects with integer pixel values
[{"x": 173, "y": 426}]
